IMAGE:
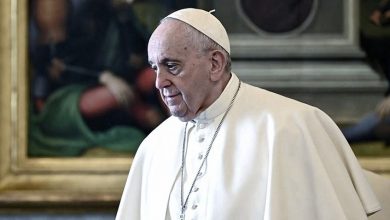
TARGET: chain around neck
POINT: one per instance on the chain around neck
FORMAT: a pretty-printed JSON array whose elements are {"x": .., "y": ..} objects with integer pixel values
[{"x": 184, "y": 202}]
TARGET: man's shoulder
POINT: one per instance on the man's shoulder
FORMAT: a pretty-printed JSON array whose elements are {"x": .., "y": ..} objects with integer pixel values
[
  {"x": 268, "y": 100},
  {"x": 259, "y": 104}
]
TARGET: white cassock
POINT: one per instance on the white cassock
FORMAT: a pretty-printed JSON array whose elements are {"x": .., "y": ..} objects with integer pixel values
[{"x": 274, "y": 159}]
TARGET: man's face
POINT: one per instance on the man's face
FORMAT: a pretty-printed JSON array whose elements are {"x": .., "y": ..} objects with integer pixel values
[{"x": 182, "y": 71}]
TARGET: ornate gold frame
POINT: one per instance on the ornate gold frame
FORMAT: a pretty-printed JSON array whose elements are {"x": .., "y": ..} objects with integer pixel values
[
  {"x": 46, "y": 181},
  {"x": 51, "y": 181}
]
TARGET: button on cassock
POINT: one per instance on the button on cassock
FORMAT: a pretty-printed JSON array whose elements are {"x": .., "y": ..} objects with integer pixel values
[
  {"x": 201, "y": 138},
  {"x": 201, "y": 125}
]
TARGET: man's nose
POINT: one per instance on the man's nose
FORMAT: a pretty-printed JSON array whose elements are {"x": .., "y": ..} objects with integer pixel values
[{"x": 162, "y": 80}]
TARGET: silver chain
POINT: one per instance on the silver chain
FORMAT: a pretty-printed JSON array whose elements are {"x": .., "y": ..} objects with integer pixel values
[{"x": 184, "y": 202}]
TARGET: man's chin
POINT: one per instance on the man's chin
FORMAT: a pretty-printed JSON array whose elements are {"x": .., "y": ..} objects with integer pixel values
[{"x": 184, "y": 117}]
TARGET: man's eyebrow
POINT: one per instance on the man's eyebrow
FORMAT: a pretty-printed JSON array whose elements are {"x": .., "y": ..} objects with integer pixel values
[{"x": 165, "y": 60}]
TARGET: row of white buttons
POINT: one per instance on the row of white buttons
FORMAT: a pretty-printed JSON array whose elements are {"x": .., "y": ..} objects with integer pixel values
[{"x": 200, "y": 138}]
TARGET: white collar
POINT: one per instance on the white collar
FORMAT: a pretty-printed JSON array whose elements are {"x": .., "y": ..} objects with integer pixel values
[{"x": 220, "y": 105}]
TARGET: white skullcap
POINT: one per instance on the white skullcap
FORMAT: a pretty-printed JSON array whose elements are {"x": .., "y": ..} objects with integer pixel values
[{"x": 204, "y": 22}]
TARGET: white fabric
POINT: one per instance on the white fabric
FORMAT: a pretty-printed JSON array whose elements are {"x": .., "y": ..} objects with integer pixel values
[
  {"x": 199, "y": 136},
  {"x": 274, "y": 159},
  {"x": 204, "y": 22},
  {"x": 381, "y": 187}
]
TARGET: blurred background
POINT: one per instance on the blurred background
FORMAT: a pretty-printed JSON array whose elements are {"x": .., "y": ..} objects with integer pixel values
[{"x": 78, "y": 93}]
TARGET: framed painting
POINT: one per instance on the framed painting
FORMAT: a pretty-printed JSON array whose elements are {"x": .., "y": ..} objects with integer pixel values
[
  {"x": 42, "y": 180},
  {"x": 97, "y": 177}
]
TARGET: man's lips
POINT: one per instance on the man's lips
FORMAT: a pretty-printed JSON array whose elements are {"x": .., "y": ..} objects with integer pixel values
[
  {"x": 170, "y": 94},
  {"x": 171, "y": 99}
]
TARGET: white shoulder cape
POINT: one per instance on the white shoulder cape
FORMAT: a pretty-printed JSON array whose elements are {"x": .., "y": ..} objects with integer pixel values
[{"x": 274, "y": 159}]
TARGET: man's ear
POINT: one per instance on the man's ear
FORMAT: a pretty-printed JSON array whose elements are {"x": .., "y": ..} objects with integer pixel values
[{"x": 218, "y": 63}]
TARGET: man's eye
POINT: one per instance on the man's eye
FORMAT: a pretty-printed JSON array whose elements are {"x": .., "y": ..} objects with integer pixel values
[{"x": 171, "y": 66}]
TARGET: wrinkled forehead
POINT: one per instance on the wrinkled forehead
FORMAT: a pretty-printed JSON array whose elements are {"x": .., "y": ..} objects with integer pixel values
[
  {"x": 169, "y": 30},
  {"x": 170, "y": 35}
]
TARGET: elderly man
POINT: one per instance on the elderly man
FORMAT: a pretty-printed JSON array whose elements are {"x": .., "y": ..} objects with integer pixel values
[{"x": 231, "y": 150}]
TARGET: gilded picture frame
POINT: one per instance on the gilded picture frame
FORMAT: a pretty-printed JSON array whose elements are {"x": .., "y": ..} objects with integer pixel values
[
  {"x": 50, "y": 182},
  {"x": 33, "y": 182}
]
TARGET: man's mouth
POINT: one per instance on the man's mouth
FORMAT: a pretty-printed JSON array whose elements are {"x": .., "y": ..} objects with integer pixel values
[
  {"x": 171, "y": 99},
  {"x": 168, "y": 94}
]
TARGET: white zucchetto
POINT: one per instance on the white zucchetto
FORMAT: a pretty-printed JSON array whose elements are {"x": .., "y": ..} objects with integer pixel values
[{"x": 204, "y": 22}]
